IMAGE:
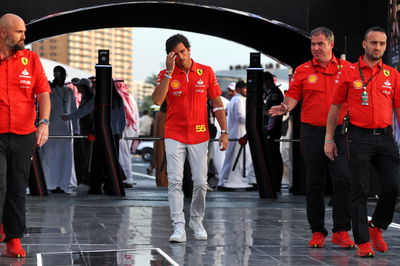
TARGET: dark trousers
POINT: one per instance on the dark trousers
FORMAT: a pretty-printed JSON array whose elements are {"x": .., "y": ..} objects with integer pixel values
[
  {"x": 316, "y": 164},
  {"x": 82, "y": 153},
  {"x": 16, "y": 152},
  {"x": 274, "y": 162},
  {"x": 381, "y": 152}
]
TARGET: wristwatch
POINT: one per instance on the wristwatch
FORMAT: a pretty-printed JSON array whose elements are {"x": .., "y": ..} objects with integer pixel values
[
  {"x": 224, "y": 131},
  {"x": 44, "y": 121}
]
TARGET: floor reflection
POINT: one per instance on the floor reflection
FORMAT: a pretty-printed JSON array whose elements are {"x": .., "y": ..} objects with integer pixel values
[
  {"x": 242, "y": 231},
  {"x": 141, "y": 257}
]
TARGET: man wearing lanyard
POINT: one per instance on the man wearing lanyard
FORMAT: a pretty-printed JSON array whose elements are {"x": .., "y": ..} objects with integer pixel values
[
  {"x": 372, "y": 91},
  {"x": 312, "y": 84}
]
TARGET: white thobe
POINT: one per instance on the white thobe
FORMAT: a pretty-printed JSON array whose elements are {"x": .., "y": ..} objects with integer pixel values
[
  {"x": 57, "y": 154},
  {"x": 219, "y": 156},
  {"x": 237, "y": 129},
  {"x": 125, "y": 155}
]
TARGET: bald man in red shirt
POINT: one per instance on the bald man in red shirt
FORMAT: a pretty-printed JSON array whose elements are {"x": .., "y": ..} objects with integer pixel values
[
  {"x": 22, "y": 82},
  {"x": 311, "y": 85},
  {"x": 372, "y": 92},
  {"x": 186, "y": 86}
]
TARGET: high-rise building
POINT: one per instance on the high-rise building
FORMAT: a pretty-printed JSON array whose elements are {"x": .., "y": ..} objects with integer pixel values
[
  {"x": 141, "y": 90},
  {"x": 80, "y": 50}
]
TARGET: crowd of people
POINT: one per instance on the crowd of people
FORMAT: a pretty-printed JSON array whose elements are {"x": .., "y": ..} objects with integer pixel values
[
  {"x": 346, "y": 126},
  {"x": 71, "y": 169}
]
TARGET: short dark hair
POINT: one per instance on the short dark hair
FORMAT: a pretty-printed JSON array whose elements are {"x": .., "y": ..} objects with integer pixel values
[
  {"x": 60, "y": 69},
  {"x": 374, "y": 28},
  {"x": 241, "y": 84},
  {"x": 325, "y": 31},
  {"x": 174, "y": 41},
  {"x": 268, "y": 76}
]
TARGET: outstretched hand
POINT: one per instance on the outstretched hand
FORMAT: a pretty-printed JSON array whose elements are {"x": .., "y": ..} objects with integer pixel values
[{"x": 278, "y": 110}]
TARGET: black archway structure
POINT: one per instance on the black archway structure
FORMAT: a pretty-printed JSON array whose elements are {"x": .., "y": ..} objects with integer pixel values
[{"x": 253, "y": 31}]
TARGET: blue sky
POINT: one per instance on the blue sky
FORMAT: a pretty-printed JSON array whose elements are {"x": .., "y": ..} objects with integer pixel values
[{"x": 149, "y": 51}]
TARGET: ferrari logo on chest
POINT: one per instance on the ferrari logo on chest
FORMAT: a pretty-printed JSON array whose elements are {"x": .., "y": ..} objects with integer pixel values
[
  {"x": 200, "y": 71},
  {"x": 386, "y": 72},
  {"x": 24, "y": 61}
]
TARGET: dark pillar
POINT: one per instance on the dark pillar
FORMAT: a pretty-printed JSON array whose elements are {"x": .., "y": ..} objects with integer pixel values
[
  {"x": 107, "y": 159},
  {"x": 254, "y": 127}
]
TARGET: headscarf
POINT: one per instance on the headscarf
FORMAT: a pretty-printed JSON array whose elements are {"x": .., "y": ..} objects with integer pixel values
[
  {"x": 130, "y": 105},
  {"x": 78, "y": 96}
]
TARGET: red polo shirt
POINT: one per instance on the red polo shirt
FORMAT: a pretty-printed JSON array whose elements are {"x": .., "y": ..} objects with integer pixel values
[
  {"x": 187, "y": 116},
  {"x": 22, "y": 77},
  {"x": 312, "y": 84},
  {"x": 383, "y": 93}
]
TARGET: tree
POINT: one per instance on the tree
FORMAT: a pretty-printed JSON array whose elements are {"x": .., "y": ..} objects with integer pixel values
[
  {"x": 152, "y": 79},
  {"x": 147, "y": 102}
]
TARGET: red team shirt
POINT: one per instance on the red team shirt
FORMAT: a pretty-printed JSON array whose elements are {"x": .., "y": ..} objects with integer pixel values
[
  {"x": 383, "y": 94},
  {"x": 187, "y": 114},
  {"x": 312, "y": 84},
  {"x": 22, "y": 76}
]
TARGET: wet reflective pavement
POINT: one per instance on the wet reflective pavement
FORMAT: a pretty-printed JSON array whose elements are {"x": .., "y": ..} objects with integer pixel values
[{"x": 65, "y": 229}]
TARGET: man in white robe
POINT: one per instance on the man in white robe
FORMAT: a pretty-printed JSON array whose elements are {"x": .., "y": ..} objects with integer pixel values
[
  {"x": 237, "y": 129},
  {"x": 131, "y": 130},
  {"x": 57, "y": 154}
]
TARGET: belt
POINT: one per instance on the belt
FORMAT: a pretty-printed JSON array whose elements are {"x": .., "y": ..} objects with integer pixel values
[
  {"x": 317, "y": 128},
  {"x": 372, "y": 131}
]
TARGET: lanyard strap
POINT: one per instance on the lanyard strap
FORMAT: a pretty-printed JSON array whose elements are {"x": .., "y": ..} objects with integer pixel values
[{"x": 362, "y": 76}]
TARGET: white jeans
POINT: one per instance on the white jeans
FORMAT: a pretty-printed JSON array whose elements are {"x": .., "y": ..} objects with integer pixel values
[{"x": 197, "y": 155}]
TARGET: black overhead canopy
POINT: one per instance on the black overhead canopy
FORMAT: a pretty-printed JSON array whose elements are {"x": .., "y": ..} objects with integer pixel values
[{"x": 276, "y": 28}]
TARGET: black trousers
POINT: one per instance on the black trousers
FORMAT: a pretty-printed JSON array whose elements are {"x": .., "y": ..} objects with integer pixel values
[
  {"x": 16, "y": 152},
  {"x": 274, "y": 162},
  {"x": 379, "y": 151},
  {"x": 316, "y": 164},
  {"x": 82, "y": 153}
]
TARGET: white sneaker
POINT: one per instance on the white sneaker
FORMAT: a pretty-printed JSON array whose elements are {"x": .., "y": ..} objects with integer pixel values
[
  {"x": 179, "y": 235},
  {"x": 199, "y": 231}
]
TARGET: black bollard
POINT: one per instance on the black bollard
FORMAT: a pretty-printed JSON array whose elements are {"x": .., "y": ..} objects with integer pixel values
[
  {"x": 104, "y": 164},
  {"x": 254, "y": 127}
]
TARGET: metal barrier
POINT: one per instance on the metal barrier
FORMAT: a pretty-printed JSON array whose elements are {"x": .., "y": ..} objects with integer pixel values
[{"x": 153, "y": 138}]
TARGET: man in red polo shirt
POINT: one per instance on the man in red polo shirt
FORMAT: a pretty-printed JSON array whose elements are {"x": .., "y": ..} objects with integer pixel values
[
  {"x": 22, "y": 82},
  {"x": 186, "y": 86},
  {"x": 312, "y": 85},
  {"x": 372, "y": 91}
]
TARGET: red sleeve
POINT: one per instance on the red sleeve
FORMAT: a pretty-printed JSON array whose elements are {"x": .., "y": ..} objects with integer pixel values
[
  {"x": 296, "y": 85},
  {"x": 340, "y": 86},
  {"x": 396, "y": 100},
  {"x": 41, "y": 81},
  {"x": 160, "y": 76},
  {"x": 213, "y": 89}
]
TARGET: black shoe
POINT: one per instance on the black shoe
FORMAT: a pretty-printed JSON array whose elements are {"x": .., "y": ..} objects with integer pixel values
[
  {"x": 127, "y": 185},
  {"x": 149, "y": 171},
  {"x": 57, "y": 190}
]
